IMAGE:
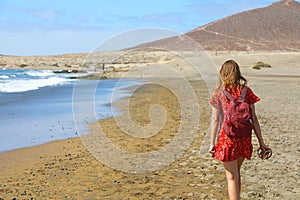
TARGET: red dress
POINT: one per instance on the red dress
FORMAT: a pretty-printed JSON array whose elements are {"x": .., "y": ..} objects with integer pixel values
[{"x": 227, "y": 149}]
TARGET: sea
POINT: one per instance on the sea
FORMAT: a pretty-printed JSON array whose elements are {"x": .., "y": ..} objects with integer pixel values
[{"x": 36, "y": 106}]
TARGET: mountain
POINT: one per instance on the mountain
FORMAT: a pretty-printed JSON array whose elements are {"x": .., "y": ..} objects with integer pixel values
[{"x": 275, "y": 27}]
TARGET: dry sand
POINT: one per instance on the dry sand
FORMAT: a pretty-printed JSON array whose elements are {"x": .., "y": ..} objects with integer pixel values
[{"x": 66, "y": 170}]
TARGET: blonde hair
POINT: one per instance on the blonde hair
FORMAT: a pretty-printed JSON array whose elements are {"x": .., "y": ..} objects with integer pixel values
[{"x": 229, "y": 77}]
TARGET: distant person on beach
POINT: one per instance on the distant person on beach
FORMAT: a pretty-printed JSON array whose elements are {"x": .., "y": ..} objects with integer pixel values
[{"x": 232, "y": 151}]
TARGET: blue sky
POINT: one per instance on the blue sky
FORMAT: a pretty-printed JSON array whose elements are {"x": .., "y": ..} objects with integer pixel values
[{"x": 37, "y": 27}]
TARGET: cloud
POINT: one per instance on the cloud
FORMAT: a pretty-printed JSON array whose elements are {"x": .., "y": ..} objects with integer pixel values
[
  {"x": 50, "y": 43},
  {"x": 46, "y": 14}
]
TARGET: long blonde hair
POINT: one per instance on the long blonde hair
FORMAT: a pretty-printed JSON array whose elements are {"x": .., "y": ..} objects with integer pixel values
[{"x": 229, "y": 77}]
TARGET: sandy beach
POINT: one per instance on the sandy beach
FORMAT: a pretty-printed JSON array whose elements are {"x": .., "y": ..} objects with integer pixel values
[{"x": 66, "y": 169}]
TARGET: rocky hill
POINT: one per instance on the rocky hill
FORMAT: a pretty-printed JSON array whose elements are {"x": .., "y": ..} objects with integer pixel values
[{"x": 275, "y": 27}]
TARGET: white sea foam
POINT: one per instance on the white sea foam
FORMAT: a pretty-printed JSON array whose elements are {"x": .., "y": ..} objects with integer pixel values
[
  {"x": 38, "y": 73},
  {"x": 4, "y": 76},
  {"x": 33, "y": 84},
  {"x": 25, "y": 80}
]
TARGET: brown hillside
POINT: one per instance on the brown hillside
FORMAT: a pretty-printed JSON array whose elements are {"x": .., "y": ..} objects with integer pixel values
[{"x": 275, "y": 27}]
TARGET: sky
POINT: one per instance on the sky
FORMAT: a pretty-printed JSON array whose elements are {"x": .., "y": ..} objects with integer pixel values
[{"x": 36, "y": 27}]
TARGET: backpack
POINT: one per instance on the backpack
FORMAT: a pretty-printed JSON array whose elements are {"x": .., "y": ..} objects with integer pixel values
[{"x": 237, "y": 122}]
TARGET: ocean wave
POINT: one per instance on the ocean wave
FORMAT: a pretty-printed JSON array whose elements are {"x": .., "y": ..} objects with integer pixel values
[
  {"x": 39, "y": 73},
  {"x": 21, "y": 85}
]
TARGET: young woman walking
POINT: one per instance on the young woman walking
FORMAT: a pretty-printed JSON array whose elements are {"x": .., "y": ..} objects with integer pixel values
[{"x": 232, "y": 151}]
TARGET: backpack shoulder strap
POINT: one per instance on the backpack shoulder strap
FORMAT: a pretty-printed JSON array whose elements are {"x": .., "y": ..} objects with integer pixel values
[
  {"x": 243, "y": 94},
  {"x": 228, "y": 95}
]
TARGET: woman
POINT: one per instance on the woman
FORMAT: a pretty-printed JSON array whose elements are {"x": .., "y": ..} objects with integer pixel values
[{"x": 232, "y": 151}]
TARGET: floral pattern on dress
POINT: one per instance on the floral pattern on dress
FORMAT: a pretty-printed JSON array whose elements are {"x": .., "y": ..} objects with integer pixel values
[{"x": 227, "y": 149}]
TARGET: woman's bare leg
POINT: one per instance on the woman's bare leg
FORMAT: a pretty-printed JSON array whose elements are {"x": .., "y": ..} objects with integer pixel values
[
  {"x": 240, "y": 161},
  {"x": 232, "y": 175}
]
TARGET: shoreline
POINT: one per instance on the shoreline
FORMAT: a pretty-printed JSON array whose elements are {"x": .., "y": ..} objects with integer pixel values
[{"x": 46, "y": 114}]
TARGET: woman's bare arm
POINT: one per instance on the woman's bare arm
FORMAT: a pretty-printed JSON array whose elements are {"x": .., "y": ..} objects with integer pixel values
[{"x": 215, "y": 117}]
